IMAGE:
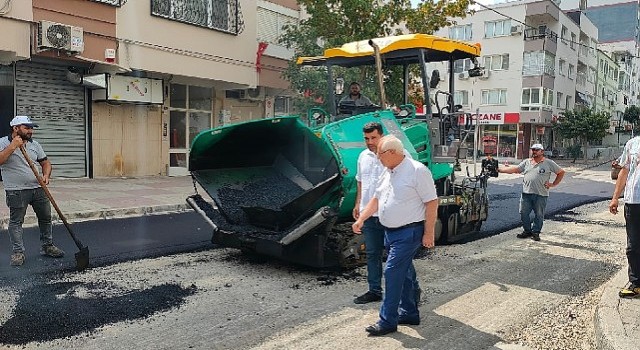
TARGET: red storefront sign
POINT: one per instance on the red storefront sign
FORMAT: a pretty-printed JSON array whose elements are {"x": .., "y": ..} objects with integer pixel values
[{"x": 492, "y": 118}]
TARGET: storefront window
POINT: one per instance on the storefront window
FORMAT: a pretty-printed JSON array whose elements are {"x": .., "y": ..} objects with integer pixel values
[{"x": 499, "y": 140}]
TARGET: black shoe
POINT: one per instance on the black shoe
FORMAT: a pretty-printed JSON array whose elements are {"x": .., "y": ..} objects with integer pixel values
[
  {"x": 367, "y": 297},
  {"x": 535, "y": 237},
  {"x": 375, "y": 330},
  {"x": 409, "y": 321},
  {"x": 629, "y": 292},
  {"x": 524, "y": 234}
]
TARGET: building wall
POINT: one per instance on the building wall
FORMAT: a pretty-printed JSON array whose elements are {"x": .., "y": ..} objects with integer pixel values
[
  {"x": 16, "y": 21},
  {"x": 189, "y": 50},
  {"x": 97, "y": 20},
  {"x": 127, "y": 140}
]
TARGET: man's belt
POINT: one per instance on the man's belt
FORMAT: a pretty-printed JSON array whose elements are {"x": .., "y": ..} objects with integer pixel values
[{"x": 413, "y": 224}]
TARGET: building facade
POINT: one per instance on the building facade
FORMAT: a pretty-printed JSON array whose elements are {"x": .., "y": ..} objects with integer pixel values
[
  {"x": 534, "y": 67},
  {"x": 618, "y": 23},
  {"x": 121, "y": 88}
]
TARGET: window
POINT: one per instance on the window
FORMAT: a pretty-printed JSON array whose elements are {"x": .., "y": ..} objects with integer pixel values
[
  {"x": 562, "y": 67},
  {"x": 571, "y": 73},
  {"x": 461, "y": 97},
  {"x": 190, "y": 112},
  {"x": 282, "y": 105},
  {"x": 270, "y": 25},
  {"x": 569, "y": 103},
  {"x": 223, "y": 15},
  {"x": 460, "y": 32},
  {"x": 572, "y": 44},
  {"x": 592, "y": 75},
  {"x": 563, "y": 34},
  {"x": 460, "y": 66},
  {"x": 494, "y": 97},
  {"x": 535, "y": 98},
  {"x": 497, "y": 28},
  {"x": 538, "y": 63},
  {"x": 497, "y": 62},
  {"x": 559, "y": 99}
]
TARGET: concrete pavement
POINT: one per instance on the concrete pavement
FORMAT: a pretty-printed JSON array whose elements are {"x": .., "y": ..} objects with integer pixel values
[
  {"x": 616, "y": 322},
  {"x": 102, "y": 198}
]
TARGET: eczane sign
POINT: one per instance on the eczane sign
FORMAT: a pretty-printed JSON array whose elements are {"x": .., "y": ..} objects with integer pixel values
[{"x": 492, "y": 118}]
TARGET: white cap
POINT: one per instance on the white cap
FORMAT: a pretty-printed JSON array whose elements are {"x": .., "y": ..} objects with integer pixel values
[
  {"x": 22, "y": 120},
  {"x": 537, "y": 146}
]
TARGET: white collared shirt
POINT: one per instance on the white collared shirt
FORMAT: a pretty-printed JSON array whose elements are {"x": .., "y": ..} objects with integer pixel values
[
  {"x": 403, "y": 192},
  {"x": 368, "y": 173},
  {"x": 630, "y": 159}
]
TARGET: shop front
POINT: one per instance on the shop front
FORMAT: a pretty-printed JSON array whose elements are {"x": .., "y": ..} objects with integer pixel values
[{"x": 497, "y": 133}]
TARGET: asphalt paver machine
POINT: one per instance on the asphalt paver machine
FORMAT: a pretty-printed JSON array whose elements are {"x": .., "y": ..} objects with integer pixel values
[{"x": 285, "y": 186}]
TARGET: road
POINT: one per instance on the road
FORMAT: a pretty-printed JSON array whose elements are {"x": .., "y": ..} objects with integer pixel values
[{"x": 156, "y": 285}]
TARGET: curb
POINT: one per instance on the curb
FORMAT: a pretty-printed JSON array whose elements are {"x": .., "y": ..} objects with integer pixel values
[
  {"x": 609, "y": 330},
  {"x": 30, "y": 219}
]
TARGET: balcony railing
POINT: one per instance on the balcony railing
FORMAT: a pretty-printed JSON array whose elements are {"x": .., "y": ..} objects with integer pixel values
[
  {"x": 534, "y": 34},
  {"x": 116, "y": 3},
  {"x": 221, "y": 15}
]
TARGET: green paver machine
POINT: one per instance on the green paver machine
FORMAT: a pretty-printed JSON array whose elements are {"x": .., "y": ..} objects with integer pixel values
[{"x": 282, "y": 187}]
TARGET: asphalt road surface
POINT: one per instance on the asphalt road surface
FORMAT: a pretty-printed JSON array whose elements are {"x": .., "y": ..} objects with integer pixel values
[{"x": 156, "y": 283}]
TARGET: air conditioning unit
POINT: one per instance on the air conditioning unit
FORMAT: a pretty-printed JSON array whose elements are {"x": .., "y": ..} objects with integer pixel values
[
  {"x": 58, "y": 36},
  {"x": 516, "y": 30},
  {"x": 485, "y": 74},
  {"x": 256, "y": 94},
  {"x": 463, "y": 76}
]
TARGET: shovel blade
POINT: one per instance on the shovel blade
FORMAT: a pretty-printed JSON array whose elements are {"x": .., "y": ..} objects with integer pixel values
[{"x": 82, "y": 259}]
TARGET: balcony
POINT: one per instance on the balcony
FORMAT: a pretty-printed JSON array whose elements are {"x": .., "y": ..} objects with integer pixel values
[
  {"x": 224, "y": 16},
  {"x": 116, "y": 3},
  {"x": 544, "y": 11},
  {"x": 540, "y": 40}
]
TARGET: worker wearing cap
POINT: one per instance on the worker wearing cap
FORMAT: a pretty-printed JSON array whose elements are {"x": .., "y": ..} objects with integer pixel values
[
  {"x": 535, "y": 189},
  {"x": 23, "y": 189}
]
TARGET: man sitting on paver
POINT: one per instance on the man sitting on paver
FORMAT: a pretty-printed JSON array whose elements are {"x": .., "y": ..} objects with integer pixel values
[
  {"x": 22, "y": 187},
  {"x": 629, "y": 174}
]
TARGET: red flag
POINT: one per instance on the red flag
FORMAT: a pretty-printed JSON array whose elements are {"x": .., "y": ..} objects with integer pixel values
[{"x": 261, "y": 47}]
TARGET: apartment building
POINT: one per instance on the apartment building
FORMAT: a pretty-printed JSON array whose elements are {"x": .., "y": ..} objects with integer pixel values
[
  {"x": 618, "y": 23},
  {"x": 121, "y": 88},
  {"x": 533, "y": 55}
]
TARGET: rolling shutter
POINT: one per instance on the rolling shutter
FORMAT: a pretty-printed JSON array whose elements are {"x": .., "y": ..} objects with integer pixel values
[{"x": 58, "y": 106}]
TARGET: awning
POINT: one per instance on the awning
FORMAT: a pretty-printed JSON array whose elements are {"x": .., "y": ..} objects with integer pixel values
[{"x": 98, "y": 66}]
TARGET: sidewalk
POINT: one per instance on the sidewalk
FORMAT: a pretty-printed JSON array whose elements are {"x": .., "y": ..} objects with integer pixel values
[
  {"x": 90, "y": 199},
  {"x": 616, "y": 320}
]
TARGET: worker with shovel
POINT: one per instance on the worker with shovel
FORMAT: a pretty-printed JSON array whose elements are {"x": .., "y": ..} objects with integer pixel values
[{"x": 23, "y": 189}]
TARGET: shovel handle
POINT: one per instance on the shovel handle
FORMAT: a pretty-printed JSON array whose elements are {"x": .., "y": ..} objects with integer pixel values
[{"x": 53, "y": 202}]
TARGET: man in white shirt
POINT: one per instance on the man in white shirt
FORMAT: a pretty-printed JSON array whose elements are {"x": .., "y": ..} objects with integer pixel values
[
  {"x": 629, "y": 181},
  {"x": 368, "y": 173},
  {"x": 407, "y": 205}
]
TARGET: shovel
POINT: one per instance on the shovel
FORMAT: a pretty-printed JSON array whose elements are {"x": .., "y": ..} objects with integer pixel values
[{"x": 82, "y": 256}]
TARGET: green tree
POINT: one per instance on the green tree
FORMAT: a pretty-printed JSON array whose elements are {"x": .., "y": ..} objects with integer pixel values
[
  {"x": 631, "y": 115},
  {"x": 583, "y": 125},
  {"x": 332, "y": 23}
]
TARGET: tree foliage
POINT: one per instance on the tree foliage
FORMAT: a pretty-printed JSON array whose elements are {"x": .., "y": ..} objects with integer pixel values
[
  {"x": 332, "y": 23},
  {"x": 631, "y": 115},
  {"x": 584, "y": 125}
]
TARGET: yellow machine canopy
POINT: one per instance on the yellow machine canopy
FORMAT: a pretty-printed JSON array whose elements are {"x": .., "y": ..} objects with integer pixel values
[{"x": 400, "y": 49}]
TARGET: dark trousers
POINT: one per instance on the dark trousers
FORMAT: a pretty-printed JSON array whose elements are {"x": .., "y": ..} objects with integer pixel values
[
  {"x": 632, "y": 217},
  {"x": 374, "y": 243},
  {"x": 18, "y": 201}
]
